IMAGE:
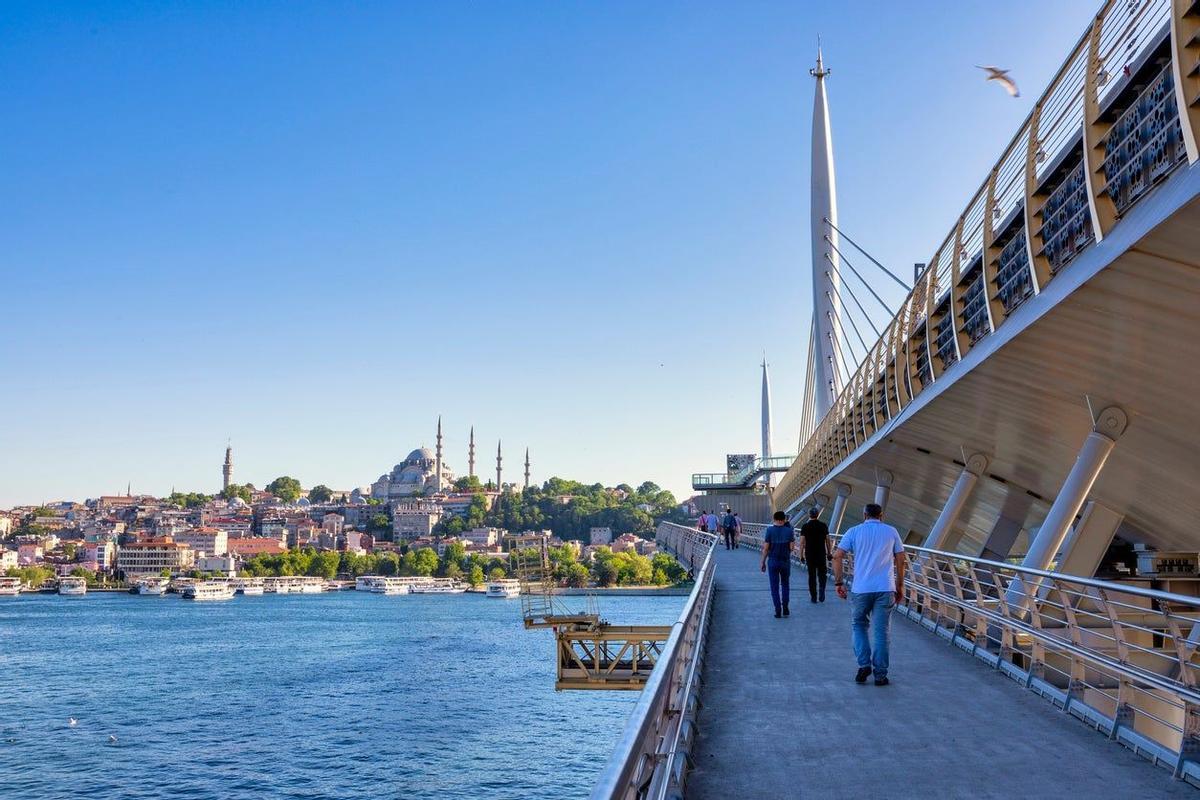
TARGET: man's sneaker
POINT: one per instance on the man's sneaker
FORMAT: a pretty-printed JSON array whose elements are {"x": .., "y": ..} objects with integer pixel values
[
  {"x": 862, "y": 674},
  {"x": 881, "y": 681},
  {"x": 822, "y": 597},
  {"x": 785, "y": 611},
  {"x": 777, "y": 614}
]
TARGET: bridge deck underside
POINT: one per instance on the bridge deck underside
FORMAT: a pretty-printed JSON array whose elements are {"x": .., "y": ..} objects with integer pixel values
[
  {"x": 1130, "y": 336},
  {"x": 782, "y": 716}
]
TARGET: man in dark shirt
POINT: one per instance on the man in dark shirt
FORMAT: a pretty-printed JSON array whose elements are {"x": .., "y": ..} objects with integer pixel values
[
  {"x": 777, "y": 561},
  {"x": 815, "y": 550}
]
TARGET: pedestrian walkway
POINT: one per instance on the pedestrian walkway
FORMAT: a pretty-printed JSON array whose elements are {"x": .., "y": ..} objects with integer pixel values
[{"x": 783, "y": 718}]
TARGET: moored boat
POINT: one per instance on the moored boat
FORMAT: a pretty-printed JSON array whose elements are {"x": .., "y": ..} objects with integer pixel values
[
  {"x": 152, "y": 587},
  {"x": 72, "y": 587},
  {"x": 10, "y": 587},
  {"x": 208, "y": 590},
  {"x": 504, "y": 588},
  {"x": 248, "y": 586}
]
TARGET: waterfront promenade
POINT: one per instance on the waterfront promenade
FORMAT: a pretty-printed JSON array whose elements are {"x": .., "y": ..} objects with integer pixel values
[{"x": 783, "y": 718}]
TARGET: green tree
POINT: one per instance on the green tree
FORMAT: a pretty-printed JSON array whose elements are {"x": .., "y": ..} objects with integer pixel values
[
  {"x": 69, "y": 550},
  {"x": 389, "y": 564},
  {"x": 604, "y": 572},
  {"x": 379, "y": 522},
  {"x": 244, "y": 491},
  {"x": 320, "y": 493},
  {"x": 477, "y": 575},
  {"x": 188, "y": 499},
  {"x": 425, "y": 561},
  {"x": 453, "y": 571},
  {"x": 454, "y": 553},
  {"x": 577, "y": 575},
  {"x": 496, "y": 573},
  {"x": 324, "y": 564},
  {"x": 468, "y": 483},
  {"x": 286, "y": 488}
]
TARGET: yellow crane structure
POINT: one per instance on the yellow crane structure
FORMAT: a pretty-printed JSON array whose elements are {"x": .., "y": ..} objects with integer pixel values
[{"x": 590, "y": 652}]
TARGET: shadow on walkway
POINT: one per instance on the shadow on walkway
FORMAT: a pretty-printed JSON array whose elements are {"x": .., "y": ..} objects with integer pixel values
[{"x": 783, "y": 718}]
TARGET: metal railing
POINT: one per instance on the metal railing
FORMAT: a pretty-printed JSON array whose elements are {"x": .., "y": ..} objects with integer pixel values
[
  {"x": 1122, "y": 658},
  {"x": 1017, "y": 199},
  {"x": 650, "y": 759},
  {"x": 745, "y": 475}
]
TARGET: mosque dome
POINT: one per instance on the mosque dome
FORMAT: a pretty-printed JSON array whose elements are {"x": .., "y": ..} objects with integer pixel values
[{"x": 419, "y": 455}]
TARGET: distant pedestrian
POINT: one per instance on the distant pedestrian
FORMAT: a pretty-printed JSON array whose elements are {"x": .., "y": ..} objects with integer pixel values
[
  {"x": 702, "y": 523},
  {"x": 778, "y": 540},
  {"x": 729, "y": 524},
  {"x": 815, "y": 552},
  {"x": 737, "y": 536},
  {"x": 878, "y": 585}
]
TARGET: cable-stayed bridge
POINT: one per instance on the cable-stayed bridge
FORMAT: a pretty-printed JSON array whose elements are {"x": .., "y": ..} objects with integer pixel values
[{"x": 1027, "y": 419}]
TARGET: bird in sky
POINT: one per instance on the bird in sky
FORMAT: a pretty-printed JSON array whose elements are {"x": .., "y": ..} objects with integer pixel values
[{"x": 1000, "y": 76}]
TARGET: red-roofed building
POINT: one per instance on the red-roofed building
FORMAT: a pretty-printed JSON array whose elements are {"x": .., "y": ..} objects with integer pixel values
[{"x": 256, "y": 546}]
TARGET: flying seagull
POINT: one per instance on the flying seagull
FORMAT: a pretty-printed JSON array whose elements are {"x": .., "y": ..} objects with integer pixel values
[{"x": 1000, "y": 76}]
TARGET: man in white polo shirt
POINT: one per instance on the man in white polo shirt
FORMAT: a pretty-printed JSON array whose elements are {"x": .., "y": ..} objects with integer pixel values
[{"x": 878, "y": 586}]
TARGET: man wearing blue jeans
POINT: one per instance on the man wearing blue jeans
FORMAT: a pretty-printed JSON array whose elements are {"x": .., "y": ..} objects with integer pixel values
[
  {"x": 778, "y": 540},
  {"x": 878, "y": 586}
]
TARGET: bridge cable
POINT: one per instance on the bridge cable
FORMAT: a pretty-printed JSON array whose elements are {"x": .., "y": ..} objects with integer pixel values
[
  {"x": 891, "y": 275},
  {"x": 848, "y": 347},
  {"x": 852, "y": 294},
  {"x": 838, "y": 351},
  {"x": 838, "y": 317},
  {"x": 861, "y": 279}
]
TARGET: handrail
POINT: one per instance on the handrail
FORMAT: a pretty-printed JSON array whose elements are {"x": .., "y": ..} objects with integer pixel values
[
  {"x": 1123, "y": 656},
  {"x": 1048, "y": 135},
  {"x": 643, "y": 763}
]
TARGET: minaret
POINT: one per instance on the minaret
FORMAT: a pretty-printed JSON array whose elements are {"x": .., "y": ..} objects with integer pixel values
[
  {"x": 498, "y": 460},
  {"x": 766, "y": 415},
  {"x": 827, "y": 310},
  {"x": 526, "y": 467},
  {"x": 437, "y": 480},
  {"x": 471, "y": 454},
  {"x": 227, "y": 468}
]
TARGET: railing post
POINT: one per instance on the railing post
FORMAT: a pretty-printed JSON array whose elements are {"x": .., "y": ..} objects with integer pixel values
[
  {"x": 1104, "y": 213},
  {"x": 1185, "y": 46}
]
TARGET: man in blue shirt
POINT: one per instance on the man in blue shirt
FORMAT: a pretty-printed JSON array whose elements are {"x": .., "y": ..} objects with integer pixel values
[
  {"x": 878, "y": 585},
  {"x": 777, "y": 561}
]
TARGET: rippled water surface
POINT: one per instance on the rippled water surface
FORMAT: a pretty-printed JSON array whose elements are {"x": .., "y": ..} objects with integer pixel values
[{"x": 341, "y": 695}]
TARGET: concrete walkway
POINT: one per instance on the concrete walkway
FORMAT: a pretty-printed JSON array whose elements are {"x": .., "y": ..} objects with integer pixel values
[{"x": 783, "y": 718}]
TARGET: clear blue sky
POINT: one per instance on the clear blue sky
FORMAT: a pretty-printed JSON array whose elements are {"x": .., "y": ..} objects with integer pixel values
[{"x": 313, "y": 227}]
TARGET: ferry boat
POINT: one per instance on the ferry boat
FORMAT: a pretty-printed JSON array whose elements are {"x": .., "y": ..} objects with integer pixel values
[
  {"x": 154, "y": 587},
  {"x": 294, "y": 584},
  {"x": 72, "y": 587},
  {"x": 10, "y": 587},
  {"x": 208, "y": 590},
  {"x": 248, "y": 586},
  {"x": 379, "y": 584},
  {"x": 504, "y": 588},
  {"x": 445, "y": 586}
]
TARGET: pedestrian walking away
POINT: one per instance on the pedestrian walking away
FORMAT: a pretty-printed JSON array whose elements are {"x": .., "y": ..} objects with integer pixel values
[
  {"x": 737, "y": 533},
  {"x": 729, "y": 523},
  {"x": 815, "y": 552},
  {"x": 878, "y": 586},
  {"x": 778, "y": 540}
]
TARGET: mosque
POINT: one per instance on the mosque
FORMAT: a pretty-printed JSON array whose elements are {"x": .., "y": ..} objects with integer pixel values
[{"x": 426, "y": 473}]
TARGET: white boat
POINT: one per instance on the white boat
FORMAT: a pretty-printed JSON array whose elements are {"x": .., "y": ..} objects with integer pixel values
[
  {"x": 154, "y": 587},
  {"x": 504, "y": 588},
  {"x": 72, "y": 587},
  {"x": 208, "y": 590},
  {"x": 248, "y": 586},
  {"x": 10, "y": 587},
  {"x": 309, "y": 585},
  {"x": 445, "y": 586}
]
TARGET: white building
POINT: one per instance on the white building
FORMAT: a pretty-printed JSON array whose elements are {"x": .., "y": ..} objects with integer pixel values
[
  {"x": 220, "y": 565},
  {"x": 8, "y": 560},
  {"x": 415, "y": 519},
  {"x": 483, "y": 537},
  {"x": 152, "y": 556},
  {"x": 209, "y": 541},
  {"x": 601, "y": 536}
]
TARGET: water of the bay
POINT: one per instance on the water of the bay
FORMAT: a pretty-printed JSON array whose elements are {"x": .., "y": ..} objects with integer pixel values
[{"x": 340, "y": 695}]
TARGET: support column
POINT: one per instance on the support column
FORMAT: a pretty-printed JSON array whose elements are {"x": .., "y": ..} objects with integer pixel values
[
  {"x": 839, "y": 509},
  {"x": 1088, "y": 541},
  {"x": 939, "y": 534},
  {"x": 1045, "y": 545},
  {"x": 883, "y": 488}
]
